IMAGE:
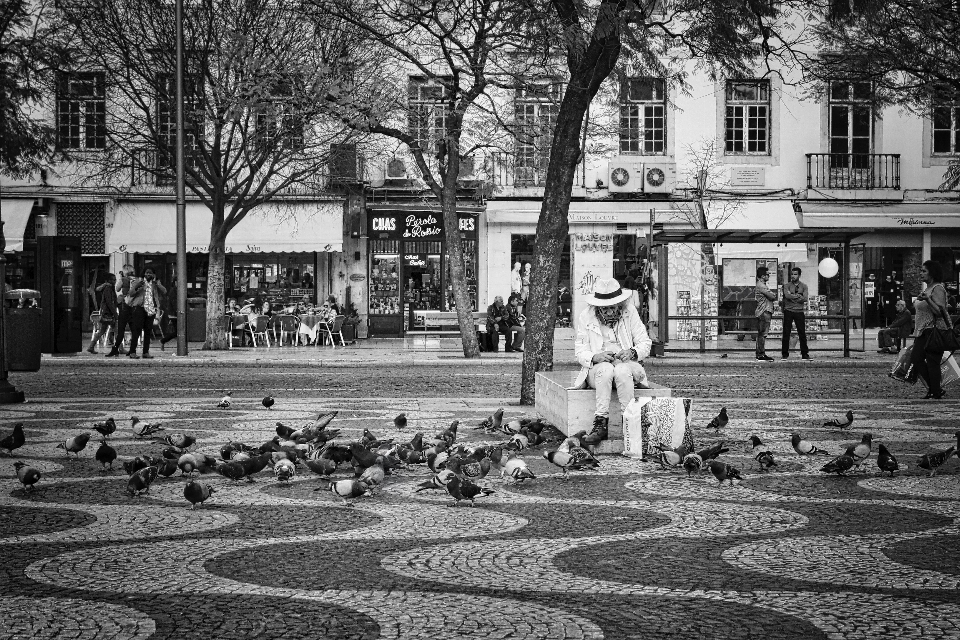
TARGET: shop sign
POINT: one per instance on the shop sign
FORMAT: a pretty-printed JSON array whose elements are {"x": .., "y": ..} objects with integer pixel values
[
  {"x": 593, "y": 242},
  {"x": 357, "y": 277},
  {"x": 415, "y": 259},
  {"x": 416, "y": 225}
]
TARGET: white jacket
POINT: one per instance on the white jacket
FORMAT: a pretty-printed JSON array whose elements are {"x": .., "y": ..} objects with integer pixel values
[{"x": 629, "y": 330}]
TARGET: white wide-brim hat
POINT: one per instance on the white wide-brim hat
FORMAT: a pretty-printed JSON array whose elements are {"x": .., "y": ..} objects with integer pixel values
[{"x": 607, "y": 292}]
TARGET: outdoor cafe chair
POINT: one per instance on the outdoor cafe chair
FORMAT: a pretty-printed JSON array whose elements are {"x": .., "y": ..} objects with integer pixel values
[
  {"x": 288, "y": 325},
  {"x": 259, "y": 326},
  {"x": 236, "y": 327},
  {"x": 111, "y": 330},
  {"x": 336, "y": 329}
]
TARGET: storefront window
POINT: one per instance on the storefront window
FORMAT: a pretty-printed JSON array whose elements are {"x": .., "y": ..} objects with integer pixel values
[
  {"x": 521, "y": 250},
  {"x": 279, "y": 278},
  {"x": 385, "y": 278}
]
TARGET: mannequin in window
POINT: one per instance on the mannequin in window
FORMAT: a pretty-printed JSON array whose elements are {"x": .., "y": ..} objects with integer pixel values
[
  {"x": 516, "y": 280},
  {"x": 525, "y": 279}
]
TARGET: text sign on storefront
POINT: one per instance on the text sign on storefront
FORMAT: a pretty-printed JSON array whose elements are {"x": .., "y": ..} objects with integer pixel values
[
  {"x": 593, "y": 242},
  {"x": 415, "y": 259},
  {"x": 417, "y": 225}
]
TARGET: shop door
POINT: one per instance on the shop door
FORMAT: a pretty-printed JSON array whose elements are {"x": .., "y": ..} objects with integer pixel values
[{"x": 422, "y": 289}]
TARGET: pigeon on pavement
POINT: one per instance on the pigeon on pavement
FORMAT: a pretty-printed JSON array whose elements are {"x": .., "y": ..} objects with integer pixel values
[
  {"x": 27, "y": 475},
  {"x": 839, "y": 465},
  {"x": 231, "y": 470},
  {"x": 345, "y": 489},
  {"x": 321, "y": 466},
  {"x": 75, "y": 444},
  {"x": 373, "y": 475},
  {"x": 517, "y": 469},
  {"x": 755, "y": 444},
  {"x": 933, "y": 461},
  {"x": 693, "y": 462},
  {"x": 465, "y": 490},
  {"x": 723, "y": 471},
  {"x": 225, "y": 401},
  {"x": 575, "y": 458},
  {"x": 439, "y": 481},
  {"x": 178, "y": 440},
  {"x": 144, "y": 429},
  {"x": 197, "y": 492},
  {"x": 720, "y": 420},
  {"x": 284, "y": 470},
  {"x": 105, "y": 455},
  {"x": 268, "y": 402},
  {"x": 765, "y": 460},
  {"x": 711, "y": 453},
  {"x": 835, "y": 422},
  {"x": 14, "y": 440},
  {"x": 861, "y": 451},
  {"x": 400, "y": 422},
  {"x": 886, "y": 460},
  {"x": 804, "y": 448},
  {"x": 106, "y": 427},
  {"x": 141, "y": 480}
]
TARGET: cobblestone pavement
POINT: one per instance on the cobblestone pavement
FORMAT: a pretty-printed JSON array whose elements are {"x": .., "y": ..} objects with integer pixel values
[{"x": 629, "y": 551}]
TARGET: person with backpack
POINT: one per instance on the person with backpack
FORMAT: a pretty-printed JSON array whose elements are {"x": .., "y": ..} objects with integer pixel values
[{"x": 108, "y": 312}]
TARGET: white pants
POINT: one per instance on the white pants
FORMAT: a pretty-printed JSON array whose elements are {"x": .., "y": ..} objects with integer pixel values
[{"x": 626, "y": 375}]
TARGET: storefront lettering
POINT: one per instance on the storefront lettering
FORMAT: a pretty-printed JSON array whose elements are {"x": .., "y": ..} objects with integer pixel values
[
  {"x": 419, "y": 227},
  {"x": 385, "y": 224},
  {"x": 466, "y": 224},
  {"x": 205, "y": 249},
  {"x": 915, "y": 222},
  {"x": 253, "y": 248},
  {"x": 593, "y": 242},
  {"x": 593, "y": 217},
  {"x": 415, "y": 260}
]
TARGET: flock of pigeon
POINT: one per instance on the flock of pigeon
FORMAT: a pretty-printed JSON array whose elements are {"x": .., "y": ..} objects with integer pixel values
[
  {"x": 853, "y": 458},
  {"x": 456, "y": 467}
]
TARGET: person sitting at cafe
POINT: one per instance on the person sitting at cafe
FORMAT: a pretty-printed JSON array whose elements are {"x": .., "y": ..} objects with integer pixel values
[
  {"x": 500, "y": 319},
  {"x": 232, "y": 307},
  {"x": 899, "y": 330}
]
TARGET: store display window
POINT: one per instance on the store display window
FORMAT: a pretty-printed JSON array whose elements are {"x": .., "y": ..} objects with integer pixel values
[{"x": 385, "y": 278}]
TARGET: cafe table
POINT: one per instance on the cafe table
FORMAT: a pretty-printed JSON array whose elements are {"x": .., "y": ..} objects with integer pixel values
[{"x": 311, "y": 325}]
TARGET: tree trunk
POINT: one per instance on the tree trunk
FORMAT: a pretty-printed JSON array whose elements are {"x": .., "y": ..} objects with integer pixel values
[
  {"x": 216, "y": 330},
  {"x": 461, "y": 296},
  {"x": 552, "y": 230}
]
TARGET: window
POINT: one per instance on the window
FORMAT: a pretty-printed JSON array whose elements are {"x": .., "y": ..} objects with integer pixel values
[
  {"x": 277, "y": 121},
  {"x": 946, "y": 123},
  {"x": 643, "y": 122},
  {"x": 82, "y": 111},
  {"x": 535, "y": 116},
  {"x": 428, "y": 103},
  {"x": 747, "y": 126},
  {"x": 851, "y": 121},
  {"x": 193, "y": 121}
]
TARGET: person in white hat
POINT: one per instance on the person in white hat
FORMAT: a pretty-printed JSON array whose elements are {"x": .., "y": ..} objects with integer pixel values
[{"x": 611, "y": 342}]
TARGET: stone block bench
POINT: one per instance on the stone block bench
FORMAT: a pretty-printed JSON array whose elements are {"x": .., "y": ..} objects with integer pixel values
[{"x": 571, "y": 410}]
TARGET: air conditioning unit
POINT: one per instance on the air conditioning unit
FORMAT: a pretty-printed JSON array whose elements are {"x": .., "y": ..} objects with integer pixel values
[
  {"x": 626, "y": 174},
  {"x": 396, "y": 168},
  {"x": 659, "y": 177}
]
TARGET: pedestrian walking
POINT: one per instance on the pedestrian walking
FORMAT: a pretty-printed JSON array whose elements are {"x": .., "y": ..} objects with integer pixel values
[
  {"x": 107, "y": 294},
  {"x": 168, "y": 324},
  {"x": 931, "y": 308},
  {"x": 795, "y": 295},
  {"x": 145, "y": 300},
  {"x": 765, "y": 299},
  {"x": 122, "y": 289}
]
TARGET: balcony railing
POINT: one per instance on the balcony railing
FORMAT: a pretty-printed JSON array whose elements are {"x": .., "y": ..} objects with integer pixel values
[
  {"x": 853, "y": 170},
  {"x": 509, "y": 171}
]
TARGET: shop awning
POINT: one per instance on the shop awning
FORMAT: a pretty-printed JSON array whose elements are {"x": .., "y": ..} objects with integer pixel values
[
  {"x": 911, "y": 216},
  {"x": 823, "y": 236},
  {"x": 582, "y": 212},
  {"x": 15, "y": 213},
  {"x": 150, "y": 227}
]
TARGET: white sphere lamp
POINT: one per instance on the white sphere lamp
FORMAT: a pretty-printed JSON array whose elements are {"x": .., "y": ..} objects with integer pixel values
[{"x": 828, "y": 267}]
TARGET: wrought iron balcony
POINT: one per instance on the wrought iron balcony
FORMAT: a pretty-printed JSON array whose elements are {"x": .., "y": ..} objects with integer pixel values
[
  {"x": 520, "y": 171},
  {"x": 853, "y": 171}
]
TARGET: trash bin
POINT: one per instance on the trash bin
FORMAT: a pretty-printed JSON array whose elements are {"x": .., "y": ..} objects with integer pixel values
[
  {"x": 349, "y": 332},
  {"x": 23, "y": 328},
  {"x": 196, "y": 319}
]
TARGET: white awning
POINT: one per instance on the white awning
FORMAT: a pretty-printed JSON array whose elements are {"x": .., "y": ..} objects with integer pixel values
[
  {"x": 907, "y": 216},
  {"x": 764, "y": 214},
  {"x": 15, "y": 213},
  {"x": 151, "y": 227}
]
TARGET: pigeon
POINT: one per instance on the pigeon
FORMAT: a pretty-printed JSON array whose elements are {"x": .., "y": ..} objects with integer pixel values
[
  {"x": 337, "y": 453},
  {"x": 720, "y": 420},
  {"x": 837, "y": 423},
  {"x": 465, "y": 490},
  {"x": 400, "y": 422},
  {"x": 14, "y": 440},
  {"x": 132, "y": 466},
  {"x": 861, "y": 451},
  {"x": 187, "y": 463},
  {"x": 493, "y": 422},
  {"x": 516, "y": 469},
  {"x": 439, "y": 481},
  {"x": 171, "y": 453},
  {"x": 933, "y": 461},
  {"x": 178, "y": 440},
  {"x": 361, "y": 457},
  {"x": 75, "y": 444},
  {"x": 804, "y": 448},
  {"x": 106, "y": 427},
  {"x": 711, "y": 453},
  {"x": 225, "y": 401},
  {"x": 576, "y": 458},
  {"x": 671, "y": 457},
  {"x": 27, "y": 475},
  {"x": 765, "y": 460},
  {"x": 518, "y": 442},
  {"x": 723, "y": 471},
  {"x": 268, "y": 402},
  {"x": 693, "y": 462},
  {"x": 144, "y": 429},
  {"x": 886, "y": 461},
  {"x": 141, "y": 480},
  {"x": 321, "y": 466},
  {"x": 511, "y": 426},
  {"x": 255, "y": 464},
  {"x": 166, "y": 467},
  {"x": 345, "y": 489},
  {"x": 476, "y": 465},
  {"x": 284, "y": 470},
  {"x": 231, "y": 470},
  {"x": 755, "y": 444},
  {"x": 197, "y": 492},
  {"x": 371, "y": 441},
  {"x": 839, "y": 465},
  {"x": 449, "y": 435},
  {"x": 373, "y": 475},
  {"x": 105, "y": 455}
]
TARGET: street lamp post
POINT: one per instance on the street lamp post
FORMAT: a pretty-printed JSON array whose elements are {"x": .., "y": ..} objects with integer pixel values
[
  {"x": 181, "y": 199},
  {"x": 8, "y": 393}
]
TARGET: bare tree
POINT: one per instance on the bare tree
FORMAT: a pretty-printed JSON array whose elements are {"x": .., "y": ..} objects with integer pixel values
[
  {"x": 258, "y": 81},
  {"x": 722, "y": 37},
  {"x": 439, "y": 63},
  {"x": 711, "y": 201}
]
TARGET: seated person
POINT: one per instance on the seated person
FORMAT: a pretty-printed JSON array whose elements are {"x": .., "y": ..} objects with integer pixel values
[
  {"x": 611, "y": 342},
  {"x": 232, "y": 308},
  {"x": 332, "y": 301},
  {"x": 515, "y": 321},
  {"x": 499, "y": 320},
  {"x": 900, "y": 329}
]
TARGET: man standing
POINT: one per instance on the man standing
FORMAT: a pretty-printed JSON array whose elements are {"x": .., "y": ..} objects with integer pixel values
[
  {"x": 123, "y": 310},
  {"x": 795, "y": 295},
  {"x": 145, "y": 300},
  {"x": 765, "y": 299}
]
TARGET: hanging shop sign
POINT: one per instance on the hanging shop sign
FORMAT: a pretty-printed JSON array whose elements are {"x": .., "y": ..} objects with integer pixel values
[
  {"x": 417, "y": 225},
  {"x": 415, "y": 259}
]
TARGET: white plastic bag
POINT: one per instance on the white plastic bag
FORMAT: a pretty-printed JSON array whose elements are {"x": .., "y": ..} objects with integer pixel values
[{"x": 633, "y": 427}]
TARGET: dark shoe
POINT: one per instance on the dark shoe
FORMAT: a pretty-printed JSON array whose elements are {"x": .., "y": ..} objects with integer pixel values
[
  {"x": 806, "y": 358},
  {"x": 507, "y": 349},
  {"x": 765, "y": 358},
  {"x": 90, "y": 349},
  {"x": 935, "y": 395},
  {"x": 112, "y": 354},
  {"x": 599, "y": 431},
  {"x": 163, "y": 346},
  {"x": 786, "y": 357},
  {"x": 518, "y": 350},
  {"x": 133, "y": 356},
  {"x": 147, "y": 356}
]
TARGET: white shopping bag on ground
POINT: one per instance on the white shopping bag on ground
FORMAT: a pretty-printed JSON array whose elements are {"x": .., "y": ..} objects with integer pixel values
[{"x": 633, "y": 427}]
